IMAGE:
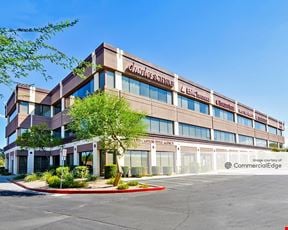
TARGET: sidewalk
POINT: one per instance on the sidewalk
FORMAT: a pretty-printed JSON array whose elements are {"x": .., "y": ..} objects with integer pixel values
[{"x": 6, "y": 185}]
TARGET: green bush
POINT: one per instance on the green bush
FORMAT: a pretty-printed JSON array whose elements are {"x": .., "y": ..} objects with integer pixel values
[
  {"x": 65, "y": 170},
  {"x": 54, "y": 182},
  {"x": 19, "y": 177},
  {"x": 31, "y": 177},
  {"x": 143, "y": 186},
  {"x": 81, "y": 172},
  {"x": 79, "y": 184},
  {"x": 137, "y": 171},
  {"x": 46, "y": 176},
  {"x": 155, "y": 170},
  {"x": 123, "y": 186},
  {"x": 133, "y": 183},
  {"x": 167, "y": 170},
  {"x": 68, "y": 181},
  {"x": 111, "y": 181},
  {"x": 125, "y": 170},
  {"x": 91, "y": 178},
  {"x": 110, "y": 171}
]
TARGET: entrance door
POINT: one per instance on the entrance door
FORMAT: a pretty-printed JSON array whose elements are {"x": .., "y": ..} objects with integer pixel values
[
  {"x": 106, "y": 158},
  {"x": 22, "y": 164}
]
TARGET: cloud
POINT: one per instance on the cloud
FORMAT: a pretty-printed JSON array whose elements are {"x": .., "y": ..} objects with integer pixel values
[{"x": 2, "y": 116}]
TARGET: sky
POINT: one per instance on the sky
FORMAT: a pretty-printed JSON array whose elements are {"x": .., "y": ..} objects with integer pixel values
[{"x": 238, "y": 48}]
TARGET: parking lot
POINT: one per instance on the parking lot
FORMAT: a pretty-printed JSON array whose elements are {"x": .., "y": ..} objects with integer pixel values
[{"x": 192, "y": 202}]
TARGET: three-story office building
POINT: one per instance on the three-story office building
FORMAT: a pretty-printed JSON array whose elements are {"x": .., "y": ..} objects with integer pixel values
[{"x": 186, "y": 122}]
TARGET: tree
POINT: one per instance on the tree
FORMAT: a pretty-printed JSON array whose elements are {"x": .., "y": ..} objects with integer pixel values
[
  {"x": 2, "y": 158},
  {"x": 111, "y": 119},
  {"x": 19, "y": 56},
  {"x": 38, "y": 137}
]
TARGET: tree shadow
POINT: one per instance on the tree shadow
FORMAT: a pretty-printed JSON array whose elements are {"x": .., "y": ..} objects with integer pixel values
[{"x": 9, "y": 193}]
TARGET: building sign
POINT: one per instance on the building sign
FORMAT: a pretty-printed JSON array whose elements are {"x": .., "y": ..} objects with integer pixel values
[
  {"x": 245, "y": 112},
  {"x": 149, "y": 74},
  {"x": 261, "y": 119},
  {"x": 225, "y": 105},
  {"x": 194, "y": 93}
]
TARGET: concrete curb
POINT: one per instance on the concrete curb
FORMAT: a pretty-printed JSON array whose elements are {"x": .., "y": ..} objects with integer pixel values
[{"x": 90, "y": 191}]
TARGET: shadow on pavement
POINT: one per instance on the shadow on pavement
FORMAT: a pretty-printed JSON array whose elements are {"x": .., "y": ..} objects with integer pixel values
[{"x": 19, "y": 193}]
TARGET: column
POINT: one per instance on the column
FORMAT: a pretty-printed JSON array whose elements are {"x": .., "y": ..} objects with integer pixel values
[
  {"x": 152, "y": 157},
  {"x": 178, "y": 159},
  {"x": 96, "y": 160},
  {"x": 15, "y": 166},
  {"x": 119, "y": 60},
  {"x": 175, "y": 90},
  {"x": 235, "y": 113},
  {"x": 212, "y": 134},
  {"x": 176, "y": 128},
  {"x": 96, "y": 81},
  {"x": 30, "y": 161},
  {"x": 214, "y": 160},
  {"x": 75, "y": 156},
  {"x": 198, "y": 156},
  {"x": 7, "y": 161},
  {"x": 51, "y": 160},
  {"x": 118, "y": 80},
  {"x": 61, "y": 161},
  {"x": 10, "y": 163},
  {"x": 211, "y": 102},
  {"x": 62, "y": 131}
]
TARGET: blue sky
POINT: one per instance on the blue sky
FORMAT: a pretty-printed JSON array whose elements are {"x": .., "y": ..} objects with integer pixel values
[{"x": 238, "y": 48}]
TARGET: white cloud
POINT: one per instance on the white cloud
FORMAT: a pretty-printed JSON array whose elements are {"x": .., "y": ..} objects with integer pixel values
[{"x": 2, "y": 116}]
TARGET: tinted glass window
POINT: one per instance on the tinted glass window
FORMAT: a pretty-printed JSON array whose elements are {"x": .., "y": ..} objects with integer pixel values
[{"x": 188, "y": 103}]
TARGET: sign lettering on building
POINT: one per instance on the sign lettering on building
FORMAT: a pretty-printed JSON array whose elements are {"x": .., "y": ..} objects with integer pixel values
[
  {"x": 245, "y": 112},
  {"x": 225, "y": 105},
  {"x": 149, "y": 74},
  {"x": 194, "y": 93},
  {"x": 261, "y": 119}
]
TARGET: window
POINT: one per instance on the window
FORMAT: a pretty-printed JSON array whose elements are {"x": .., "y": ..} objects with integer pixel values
[
  {"x": 12, "y": 115},
  {"x": 57, "y": 132},
  {"x": 245, "y": 121},
  {"x": 57, "y": 107},
  {"x": 273, "y": 144},
  {"x": 245, "y": 140},
  {"x": 223, "y": 114},
  {"x": 12, "y": 138},
  {"x": 188, "y": 103},
  {"x": 67, "y": 132},
  {"x": 136, "y": 158},
  {"x": 260, "y": 142},
  {"x": 165, "y": 159},
  {"x": 194, "y": 131},
  {"x": 139, "y": 88},
  {"x": 85, "y": 90},
  {"x": 224, "y": 136},
  {"x": 279, "y": 132},
  {"x": 24, "y": 107},
  {"x": 22, "y": 130},
  {"x": 260, "y": 126},
  {"x": 42, "y": 110},
  {"x": 106, "y": 78},
  {"x": 157, "y": 125},
  {"x": 272, "y": 130},
  {"x": 110, "y": 77}
]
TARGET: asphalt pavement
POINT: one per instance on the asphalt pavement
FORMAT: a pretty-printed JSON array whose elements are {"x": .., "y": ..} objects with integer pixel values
[{"x": 190, "y": 202}]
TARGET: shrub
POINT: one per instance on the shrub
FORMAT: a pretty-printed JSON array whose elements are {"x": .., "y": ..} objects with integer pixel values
[
  {"x": 167, "y": 170},
  {"x": 46, "y": 176},
  {"x": 81, "y": 172},
  {"x": 63, "y": 169},
  {"x": 19, "y": 177},
  {"x": 125, "y": 170},
  {"x": 155, "y": 170},
  {"x": 31, "y": 177},
  {"x": 143, "y": 186},
  {"x": 68, "y": 181},
  {"x": 123, "y": 186},
  {"x": 91, "y": 178},
  {"x": 79, "y": 184},
  {"x": 54, "y": 182},
  {"x": 110, "y": 171},
  {"x": 137, "y": 171},
  {"x": 133, "y": 183},
  {"x": 111, "y": 181}
]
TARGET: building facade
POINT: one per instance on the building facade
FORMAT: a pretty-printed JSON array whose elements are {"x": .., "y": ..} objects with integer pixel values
[{"x": 187, "y": 123}]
